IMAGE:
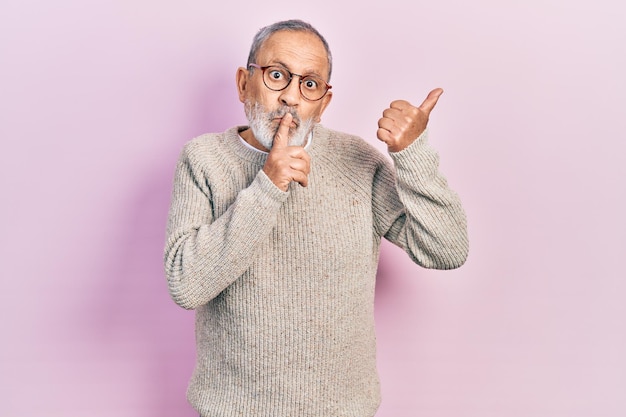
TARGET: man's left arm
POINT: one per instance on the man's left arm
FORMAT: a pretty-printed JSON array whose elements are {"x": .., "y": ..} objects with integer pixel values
[{"x": 421, "y": 213}]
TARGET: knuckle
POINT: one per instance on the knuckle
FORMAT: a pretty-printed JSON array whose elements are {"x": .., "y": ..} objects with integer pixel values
[{"x": 400, "y": 104}]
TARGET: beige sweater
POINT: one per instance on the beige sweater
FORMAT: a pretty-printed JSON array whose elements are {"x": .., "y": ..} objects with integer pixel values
[{"x": 283, "y": 282}]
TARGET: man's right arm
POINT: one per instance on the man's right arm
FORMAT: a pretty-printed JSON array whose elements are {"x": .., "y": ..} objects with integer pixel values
[{"x": 203, "y": 254}]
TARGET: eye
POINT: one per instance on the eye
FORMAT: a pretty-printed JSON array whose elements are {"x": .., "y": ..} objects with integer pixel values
[
  {"x": 310, "y": 83},
  {"x": 276, "y": 74}
]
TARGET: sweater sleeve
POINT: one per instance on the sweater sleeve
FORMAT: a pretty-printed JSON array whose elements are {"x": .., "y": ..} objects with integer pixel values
[
  {"x": 204, "y": 254},
  {"x": 418, "y": 211}
]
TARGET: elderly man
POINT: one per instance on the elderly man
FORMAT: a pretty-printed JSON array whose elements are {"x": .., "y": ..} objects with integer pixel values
[{"x": 274, "y": 232}]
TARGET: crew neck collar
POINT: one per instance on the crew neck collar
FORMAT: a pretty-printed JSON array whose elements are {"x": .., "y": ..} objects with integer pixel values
[
  {"x": 232, "y": 137},
  {"x": 246, "y": 144}
]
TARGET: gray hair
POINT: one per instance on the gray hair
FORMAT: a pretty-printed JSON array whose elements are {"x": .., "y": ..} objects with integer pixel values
[{"x": 292, "y": 25}]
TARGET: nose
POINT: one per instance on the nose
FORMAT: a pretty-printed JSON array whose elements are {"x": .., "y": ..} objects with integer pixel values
[{"x": 290, "y": 96}]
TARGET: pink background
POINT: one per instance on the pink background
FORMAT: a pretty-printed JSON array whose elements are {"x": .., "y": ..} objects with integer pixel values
[{"x": 97, "y": 98}]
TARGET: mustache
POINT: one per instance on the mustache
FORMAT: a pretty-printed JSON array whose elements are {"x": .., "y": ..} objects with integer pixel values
[{"x": 282, "y": 111}]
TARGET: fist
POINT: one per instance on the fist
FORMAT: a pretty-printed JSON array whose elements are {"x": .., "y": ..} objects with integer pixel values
[{"x": 402, "y": 122}]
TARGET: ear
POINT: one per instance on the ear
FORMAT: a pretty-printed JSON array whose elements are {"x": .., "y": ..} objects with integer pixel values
[
  {"x": 241, "y": 79},
  {"x": 324, "y": 103}
]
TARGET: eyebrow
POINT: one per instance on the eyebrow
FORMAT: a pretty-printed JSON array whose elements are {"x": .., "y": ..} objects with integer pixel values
[{"x": 306, "y": 74}]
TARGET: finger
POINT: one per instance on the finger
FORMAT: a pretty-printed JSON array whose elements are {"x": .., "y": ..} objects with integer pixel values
[
  {"x": 300, "y": 165},
  {"x": 392, "y": 113},
  {"x": 388, "y": 125},
  {"x": 432, "y": 98},
  {"x": 298, "y": 152},
  {"x": 384, "y": 135},
  {"x": 281, "y": 139},
  {"x": 400, "y": 104},
  {"x": 300, "y": 177}
]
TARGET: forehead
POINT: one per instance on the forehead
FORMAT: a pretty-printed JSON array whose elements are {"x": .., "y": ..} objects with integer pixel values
[{"x": 301, "y": 52}]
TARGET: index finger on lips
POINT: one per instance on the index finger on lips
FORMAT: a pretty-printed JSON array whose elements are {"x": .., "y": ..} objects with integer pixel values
[{"x": 281, "y": 139}]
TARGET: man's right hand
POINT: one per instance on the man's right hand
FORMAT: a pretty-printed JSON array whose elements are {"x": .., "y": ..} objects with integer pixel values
[{"x": 287, "y": 163}]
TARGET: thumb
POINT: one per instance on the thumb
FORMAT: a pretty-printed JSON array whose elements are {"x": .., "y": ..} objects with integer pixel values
[
  {"x": 431, "y": 100},
  {"x": 281, "y": 139}
]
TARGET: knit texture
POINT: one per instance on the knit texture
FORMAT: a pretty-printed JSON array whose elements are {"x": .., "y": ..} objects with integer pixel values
[{"x": 283, "y": 282}]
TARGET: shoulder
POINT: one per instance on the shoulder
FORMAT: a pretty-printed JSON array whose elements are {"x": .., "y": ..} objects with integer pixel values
[
  {"x": 210, "y": 149},
  {"x": 203, "y": 156},
  {"x": 204, "y": 146},
  {"x": 351, "y": 150}
]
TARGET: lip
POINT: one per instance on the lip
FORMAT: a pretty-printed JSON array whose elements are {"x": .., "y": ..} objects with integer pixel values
[{"x": 279, "y": 119}]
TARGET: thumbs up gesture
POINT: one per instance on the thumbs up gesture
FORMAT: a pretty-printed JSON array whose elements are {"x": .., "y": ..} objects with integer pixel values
[
  {"x": 286, "y": 163},
  {"x": 402, "y": 123}
]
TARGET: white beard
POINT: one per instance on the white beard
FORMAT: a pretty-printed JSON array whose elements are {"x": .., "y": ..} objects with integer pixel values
[{"x": 264, "y": 130}]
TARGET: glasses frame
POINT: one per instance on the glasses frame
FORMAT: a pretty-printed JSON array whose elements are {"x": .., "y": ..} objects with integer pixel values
[{"x": 291, "y": 75}]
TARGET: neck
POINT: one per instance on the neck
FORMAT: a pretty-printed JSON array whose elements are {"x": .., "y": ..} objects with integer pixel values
[{"x": 248, "y": 136}]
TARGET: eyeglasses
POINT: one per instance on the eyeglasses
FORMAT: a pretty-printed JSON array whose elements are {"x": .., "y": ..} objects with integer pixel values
[{"x": 277, "y": 78}]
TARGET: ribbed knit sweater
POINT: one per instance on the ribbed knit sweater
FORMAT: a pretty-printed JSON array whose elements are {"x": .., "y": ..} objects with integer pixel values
[{"x": 283, "y": 282}]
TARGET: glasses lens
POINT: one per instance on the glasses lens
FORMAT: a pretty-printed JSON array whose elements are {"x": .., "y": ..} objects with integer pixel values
[
  {"x": 276, "y": 78},
  {"x": 313, "y": 88}
]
